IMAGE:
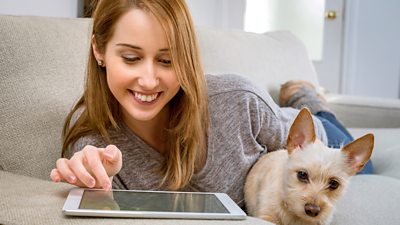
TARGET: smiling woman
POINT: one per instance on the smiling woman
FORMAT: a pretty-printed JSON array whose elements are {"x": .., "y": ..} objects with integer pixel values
[{"x": 133, "y": 69}]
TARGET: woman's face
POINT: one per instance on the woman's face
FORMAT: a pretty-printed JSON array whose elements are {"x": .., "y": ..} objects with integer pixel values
[{"x": 139, "y": 68}]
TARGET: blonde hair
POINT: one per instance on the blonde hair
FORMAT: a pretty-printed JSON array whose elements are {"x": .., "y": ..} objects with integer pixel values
[{"x": 188, "y": 123}]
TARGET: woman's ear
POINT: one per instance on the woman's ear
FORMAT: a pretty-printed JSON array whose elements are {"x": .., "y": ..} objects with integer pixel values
[{"x": 97, "y": 54}]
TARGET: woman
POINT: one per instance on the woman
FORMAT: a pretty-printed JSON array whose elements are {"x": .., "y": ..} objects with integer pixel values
[{"x": 148, "y": 106}]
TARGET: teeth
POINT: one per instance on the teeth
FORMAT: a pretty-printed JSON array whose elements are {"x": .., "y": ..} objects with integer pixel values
[{"x": 145, "y": 98}]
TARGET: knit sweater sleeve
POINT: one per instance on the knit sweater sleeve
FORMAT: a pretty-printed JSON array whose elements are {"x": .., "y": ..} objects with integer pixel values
[
  {"x": 270, "y": 123},
  {"x": 275, "y": 123}
]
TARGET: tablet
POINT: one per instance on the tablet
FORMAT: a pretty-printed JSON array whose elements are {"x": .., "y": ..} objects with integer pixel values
[{"x": 151, "y": 204}]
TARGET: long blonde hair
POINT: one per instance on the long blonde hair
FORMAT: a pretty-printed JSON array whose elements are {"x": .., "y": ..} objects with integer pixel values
[{"x": 188, "y": 123}]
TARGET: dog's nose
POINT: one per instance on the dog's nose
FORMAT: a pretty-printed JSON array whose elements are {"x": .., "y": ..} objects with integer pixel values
[{"x": 312, "y": 209}]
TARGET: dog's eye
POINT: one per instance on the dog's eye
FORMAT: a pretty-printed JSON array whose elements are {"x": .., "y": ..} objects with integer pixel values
[
  {"x": 302, "y": 176},
  {"x": 333, "y": 184}
]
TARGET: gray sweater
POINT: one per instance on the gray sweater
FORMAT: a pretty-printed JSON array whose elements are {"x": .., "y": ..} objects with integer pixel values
[{"x": 244, "y": 123}]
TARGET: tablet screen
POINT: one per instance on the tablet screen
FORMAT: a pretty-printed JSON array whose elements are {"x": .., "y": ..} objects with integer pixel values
[{"x": 152, "y": 201}]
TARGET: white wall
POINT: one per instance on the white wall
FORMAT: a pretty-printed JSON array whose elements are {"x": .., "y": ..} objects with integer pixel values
[
  {"x": 221, "y": 14},
  {"x": 305, "y": 18},
  {"x": 54, "y": 8}
]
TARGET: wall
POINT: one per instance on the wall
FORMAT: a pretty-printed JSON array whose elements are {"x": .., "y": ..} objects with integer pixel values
[
  {"x": 221, "y": 14},
  {"x": 54, "y": 8},
  {"x": 305, "y": 18}
]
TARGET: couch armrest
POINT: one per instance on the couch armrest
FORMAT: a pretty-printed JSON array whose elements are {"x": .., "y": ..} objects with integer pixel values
[{"x": 356, "y": 111}]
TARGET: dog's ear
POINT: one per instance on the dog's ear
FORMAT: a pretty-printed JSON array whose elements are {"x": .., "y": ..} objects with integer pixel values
[
  {"x": 358, "y": 152},
  {"x": 302, "y": 131}
]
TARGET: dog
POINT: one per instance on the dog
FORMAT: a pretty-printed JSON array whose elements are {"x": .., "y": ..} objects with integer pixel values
[{"x": 301, "y": 184}]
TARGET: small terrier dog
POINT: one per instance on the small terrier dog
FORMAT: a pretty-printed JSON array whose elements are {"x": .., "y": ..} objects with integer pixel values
[{"x": 301, "y": 185}]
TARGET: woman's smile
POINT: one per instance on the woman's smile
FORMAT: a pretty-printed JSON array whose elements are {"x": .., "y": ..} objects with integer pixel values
[{"x": 143, "y": 98}]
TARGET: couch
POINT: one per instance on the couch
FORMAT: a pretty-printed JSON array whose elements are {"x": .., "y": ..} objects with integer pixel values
[{"x": 42, "y": 65}]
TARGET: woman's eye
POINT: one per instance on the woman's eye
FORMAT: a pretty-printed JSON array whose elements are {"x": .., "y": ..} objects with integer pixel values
[
  {"x": 130, "y": 59},
  {"x": 166, "y": 62}
]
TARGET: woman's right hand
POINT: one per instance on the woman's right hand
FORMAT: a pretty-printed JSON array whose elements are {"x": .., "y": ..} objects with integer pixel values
[{"x": 91, "y": 167}]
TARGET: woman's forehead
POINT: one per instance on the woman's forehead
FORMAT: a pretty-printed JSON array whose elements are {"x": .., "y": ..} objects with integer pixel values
[{"x": 139, "y": 26}]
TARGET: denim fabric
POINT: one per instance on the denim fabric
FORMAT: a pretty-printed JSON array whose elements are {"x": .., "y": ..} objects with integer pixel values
[{"x": 338, "y": 135}]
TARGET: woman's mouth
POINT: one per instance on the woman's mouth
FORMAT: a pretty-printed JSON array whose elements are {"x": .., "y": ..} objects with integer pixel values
[{"x": 145, "y": 98}]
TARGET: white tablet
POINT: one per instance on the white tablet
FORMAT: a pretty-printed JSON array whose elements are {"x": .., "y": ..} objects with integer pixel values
[{"x": 151, "y": 204}]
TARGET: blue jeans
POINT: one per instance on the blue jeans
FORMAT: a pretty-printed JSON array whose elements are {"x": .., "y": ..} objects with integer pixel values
[{"x": 338, "y": 135}]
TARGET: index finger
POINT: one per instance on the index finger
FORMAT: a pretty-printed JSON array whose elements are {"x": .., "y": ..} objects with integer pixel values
[{"x": 94, "y": 161}]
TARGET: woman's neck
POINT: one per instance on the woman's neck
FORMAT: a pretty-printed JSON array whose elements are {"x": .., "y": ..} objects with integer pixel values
[{"x": 153, "y": 131}]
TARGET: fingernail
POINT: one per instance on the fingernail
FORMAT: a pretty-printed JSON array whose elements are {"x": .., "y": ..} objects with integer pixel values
[
  {"x": 92, "y": 183},
  {"x": 72, "y": 179},
  {"x": 109, "y": 155},
  {"x": 107, "y": 187}
]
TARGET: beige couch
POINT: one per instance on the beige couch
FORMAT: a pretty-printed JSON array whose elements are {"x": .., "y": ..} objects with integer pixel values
[{"x": 41, "y": 75}]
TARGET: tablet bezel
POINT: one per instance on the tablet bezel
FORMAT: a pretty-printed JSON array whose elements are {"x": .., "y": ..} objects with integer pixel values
[{"x": 71, "y": 207}]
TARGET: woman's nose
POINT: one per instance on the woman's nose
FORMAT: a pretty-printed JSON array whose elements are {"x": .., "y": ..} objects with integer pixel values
[{"x": 148, "y": 79}]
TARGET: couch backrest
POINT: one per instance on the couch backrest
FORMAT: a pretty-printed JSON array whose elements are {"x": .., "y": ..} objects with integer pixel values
[
  {"x": 267, "y": 59},
  {"x": 42, "y": 63},
  {"x": 42, "y": 66}
]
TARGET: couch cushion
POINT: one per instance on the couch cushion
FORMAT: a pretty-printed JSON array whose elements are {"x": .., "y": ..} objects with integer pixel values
[
  {"x": 26, "y": 200},
  {"x": 370, "y": 200},
  {"x": 267, "y": 60},
  {"x": 42, "y": 71},
  {"x": 360, "y": 111}
]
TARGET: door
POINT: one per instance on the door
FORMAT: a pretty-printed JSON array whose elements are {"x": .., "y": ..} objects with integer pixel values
[
  {"x": 371, "y": 59},
  {"x": 329, "y": 66}
]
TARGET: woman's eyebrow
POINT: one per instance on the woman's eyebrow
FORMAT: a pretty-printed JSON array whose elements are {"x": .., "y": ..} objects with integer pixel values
[
  {"x": 129, "y": 46},
  {"x": 139, "y": 48}
]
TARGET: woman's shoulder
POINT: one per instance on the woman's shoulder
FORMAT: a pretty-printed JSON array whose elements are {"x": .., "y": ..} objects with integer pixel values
[
  {"x": 217, "y": 84},
  {"x": 227, "y": 85}
]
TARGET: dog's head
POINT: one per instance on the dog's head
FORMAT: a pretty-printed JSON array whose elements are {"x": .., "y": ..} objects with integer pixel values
[{"x": 317, "y": 175}]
